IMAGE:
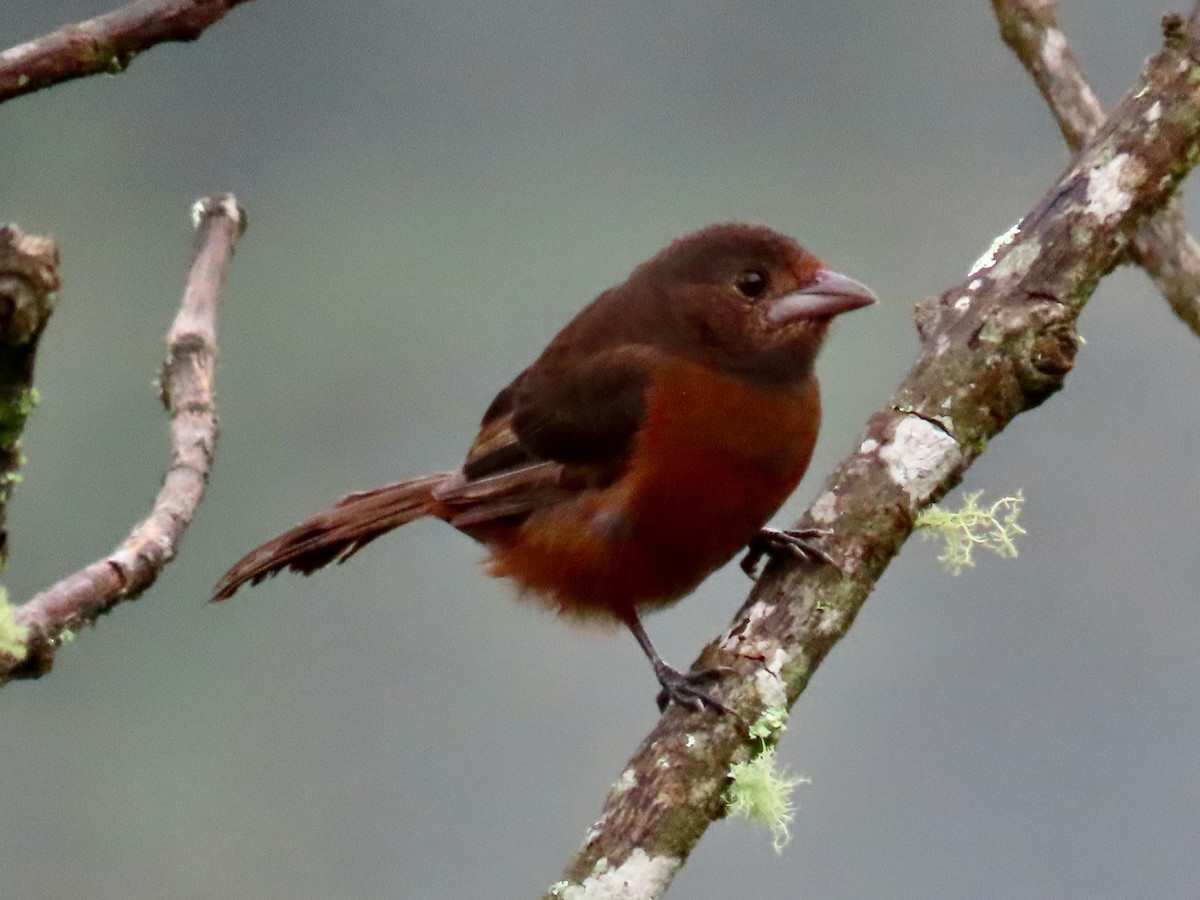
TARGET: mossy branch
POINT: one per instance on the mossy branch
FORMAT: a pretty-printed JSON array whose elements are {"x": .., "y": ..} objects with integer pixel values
[
  {"x": 28, "y": 290},
  {"x": 31, "y": 634}
]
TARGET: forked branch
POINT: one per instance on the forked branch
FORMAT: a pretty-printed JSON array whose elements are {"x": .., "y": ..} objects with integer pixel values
[
  {"x": 1162, "y": 246},
  {"x": 187, "y": 393}
]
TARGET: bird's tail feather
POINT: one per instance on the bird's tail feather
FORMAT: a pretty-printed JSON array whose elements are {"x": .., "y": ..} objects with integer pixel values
[{"x": 337, "y": 533}]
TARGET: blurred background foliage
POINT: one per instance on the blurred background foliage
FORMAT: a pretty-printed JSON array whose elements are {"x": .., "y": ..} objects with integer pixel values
[{"x": 433, "y": 189}]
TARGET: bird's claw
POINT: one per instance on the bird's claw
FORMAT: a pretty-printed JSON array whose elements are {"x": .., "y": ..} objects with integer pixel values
[
  {"x": 688, "y": 688},
  {"x": 796, "y": 543}
]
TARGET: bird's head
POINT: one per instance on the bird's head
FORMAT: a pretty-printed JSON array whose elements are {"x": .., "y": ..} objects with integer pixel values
[{"x": 748, "y": 299}]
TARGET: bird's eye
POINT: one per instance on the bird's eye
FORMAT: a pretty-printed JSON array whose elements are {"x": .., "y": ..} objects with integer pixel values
[{"x": 752, "y": 284}]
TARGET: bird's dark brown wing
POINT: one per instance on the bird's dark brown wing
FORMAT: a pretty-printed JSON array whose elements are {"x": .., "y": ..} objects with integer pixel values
[
  {"x": 555, "y": 430},
  {"x": 585, "y": 413}
]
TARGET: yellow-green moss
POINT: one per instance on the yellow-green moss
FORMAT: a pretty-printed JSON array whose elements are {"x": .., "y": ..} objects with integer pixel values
[
  {"x": 759, "y": 791},
  {"x": 13, "y": 634},
  {"x": 994, "y": 528}
]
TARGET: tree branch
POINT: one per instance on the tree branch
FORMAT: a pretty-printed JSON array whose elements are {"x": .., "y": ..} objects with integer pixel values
[
  {"x": 1162, "y": 245},
  {"x": 992, "y": 347},
  {"x": 105, "y": 44},
  {"x": 187, "y": 394},
  {"x": 28, "y": 289}
]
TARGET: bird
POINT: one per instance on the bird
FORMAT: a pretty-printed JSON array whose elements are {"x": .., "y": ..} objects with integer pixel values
[{"x": 647, "y": 445}]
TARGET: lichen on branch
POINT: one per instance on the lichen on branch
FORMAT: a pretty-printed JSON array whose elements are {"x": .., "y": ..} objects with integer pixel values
[
  {"x": 29, "y": 284},
  {"x": 971, "y": 526},
  {"x": 51, "y": 618}
]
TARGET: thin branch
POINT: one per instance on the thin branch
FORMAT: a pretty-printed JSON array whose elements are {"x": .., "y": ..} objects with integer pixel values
[
  {"x": 1031, "y": 30},
  {"x": 105, "y": 44},
  {"x": 1162, "y": 246},
  {"x": 992, "y": 347},
  {"x": 187, "y": 394},
  {"x": 28, "y": 289}
]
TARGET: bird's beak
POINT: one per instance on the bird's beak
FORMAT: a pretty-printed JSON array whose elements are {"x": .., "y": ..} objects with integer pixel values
[{"x": 830, "y": 294}]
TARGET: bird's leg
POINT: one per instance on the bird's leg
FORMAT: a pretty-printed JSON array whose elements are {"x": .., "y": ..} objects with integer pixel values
[
  {"x": 683, "y": 688},
  {"x": 798, "y": 543}
]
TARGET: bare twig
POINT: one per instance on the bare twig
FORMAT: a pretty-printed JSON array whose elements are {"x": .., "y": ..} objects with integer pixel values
[
  {"x": 28, "y": 286},
  {"x": 187, "y": 393},
  {"x": 105, "y": 44},
  {"x": 994, "y": 346},
  {"x": 1162, "y": 245}
]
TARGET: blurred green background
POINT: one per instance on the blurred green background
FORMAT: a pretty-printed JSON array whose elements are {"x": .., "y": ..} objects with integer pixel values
[{"x": 433, "y": 188}]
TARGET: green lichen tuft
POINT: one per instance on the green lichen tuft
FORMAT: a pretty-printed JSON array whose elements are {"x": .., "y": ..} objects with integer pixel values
[
  {"x": 28, "y": 401},
  {"x": 994, "y": 528},
  {"x": 119, "y": 62},
  {"x": 760, "y": 792},
  {"x": 14, "y": 415},
  {"x": 771, "y": 724},
  {"x": 13, "y": 635}
]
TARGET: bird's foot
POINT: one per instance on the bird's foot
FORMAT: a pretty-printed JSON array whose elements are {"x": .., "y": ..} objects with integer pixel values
[
  {"x": 689, "y": 688},
  {"x": 798, "y": 543}
]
